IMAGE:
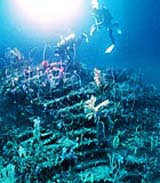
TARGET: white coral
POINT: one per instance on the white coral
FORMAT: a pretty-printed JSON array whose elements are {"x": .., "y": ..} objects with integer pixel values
[{"x": 90, "y": 109}]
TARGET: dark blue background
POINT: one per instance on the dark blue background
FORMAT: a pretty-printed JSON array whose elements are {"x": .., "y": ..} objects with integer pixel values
[{"x": 137, "y": 48}]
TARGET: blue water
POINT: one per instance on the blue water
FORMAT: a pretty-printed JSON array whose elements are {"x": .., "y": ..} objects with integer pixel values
[{"x": 137, "y": 48}]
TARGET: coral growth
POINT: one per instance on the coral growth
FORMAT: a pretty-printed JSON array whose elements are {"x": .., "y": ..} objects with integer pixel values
[{"x": 77, "y": 131}]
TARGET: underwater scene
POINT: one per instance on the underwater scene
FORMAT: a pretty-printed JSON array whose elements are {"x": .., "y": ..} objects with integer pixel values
[{"x": 79, "y": 91}]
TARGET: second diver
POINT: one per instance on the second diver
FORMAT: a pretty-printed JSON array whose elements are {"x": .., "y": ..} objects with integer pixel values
[{"x": 103, "y": 18}]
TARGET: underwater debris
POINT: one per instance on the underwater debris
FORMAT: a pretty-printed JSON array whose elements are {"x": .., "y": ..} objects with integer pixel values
[{"x": 74, "y": 132}]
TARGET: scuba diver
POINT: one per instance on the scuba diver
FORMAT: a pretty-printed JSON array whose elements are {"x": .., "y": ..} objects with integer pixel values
[
  {"x": 66, "y": 47},
  {"x": 103, "y": 18}
]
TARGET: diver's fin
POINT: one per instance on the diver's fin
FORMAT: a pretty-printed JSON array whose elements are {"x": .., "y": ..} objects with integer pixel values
[{"x": 110, "y": 48}]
